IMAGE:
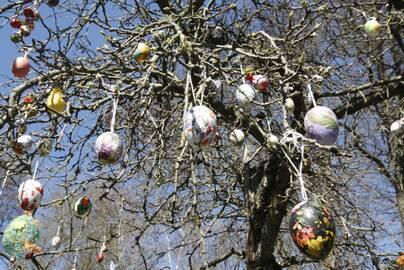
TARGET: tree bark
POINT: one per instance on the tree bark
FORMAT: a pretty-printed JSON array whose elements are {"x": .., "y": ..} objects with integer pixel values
[
  {"x": 265, "y": 190},
  {"x": 397, "y": 156}
]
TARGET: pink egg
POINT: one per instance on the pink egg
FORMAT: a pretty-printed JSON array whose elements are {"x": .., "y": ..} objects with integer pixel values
[{"x": 20, "y": 67}]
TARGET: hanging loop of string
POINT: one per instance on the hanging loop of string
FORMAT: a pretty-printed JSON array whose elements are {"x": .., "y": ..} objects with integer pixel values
[
  {"x": 302, "y": 187},
  {"x": 114, "y": 115},
  {"x": 311, "y": 96}
]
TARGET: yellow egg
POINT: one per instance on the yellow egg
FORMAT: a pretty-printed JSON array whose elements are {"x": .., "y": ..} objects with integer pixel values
[{"x": 56, "y": 101}]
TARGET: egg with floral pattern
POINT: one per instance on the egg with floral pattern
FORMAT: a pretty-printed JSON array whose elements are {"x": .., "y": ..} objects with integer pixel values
[
  {"x": 200, "y": 126},
  {"x": 108, "y": 147},
  {"x": 312, "y": 229},
  {"x": 30, "y": 195},
  {"x": 321, "y": 124}
]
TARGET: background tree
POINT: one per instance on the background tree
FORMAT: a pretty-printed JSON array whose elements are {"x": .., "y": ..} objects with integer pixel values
[{"x": 166, "y": 205}]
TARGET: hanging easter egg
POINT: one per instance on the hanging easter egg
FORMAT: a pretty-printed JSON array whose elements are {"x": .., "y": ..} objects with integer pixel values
[
  {"x": 29, "y": 105},
  {"x": 25, "y": 142},
  {"x": 53, "y": 3},
  {"x": 200, "y": 126},
  {"x": 15, "y": 22},
  {"x": 397, "y": 127},
  {"x": 30, "y": 195},
  {"x": 108, "y": 147},
  {"x": 20, "y": 66},
  {"x": 55, "y": 241},
  {"x": 313, "y": 229},
  {"x": 82, "y": 207},
  {"x": 141, "y": 53},
  {"x": 21, "y": 236},
  {"x": 16, "y": 37},
  {"x": 260, "y": 82},
  {"x": 400, "y": 260},
  {"x": 25, "y": 30},
  {"x": 321, "y": 124},
  {"x": 237, "y": 137},
  {"x": 245, "y": 94},
  {"x": 289, "y": 105},
  {"x": 372, "y": 27},
  {"x": 56, "y": 101}
]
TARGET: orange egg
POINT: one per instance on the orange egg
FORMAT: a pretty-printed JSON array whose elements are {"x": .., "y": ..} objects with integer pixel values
[{"x": 20, "y": 67}]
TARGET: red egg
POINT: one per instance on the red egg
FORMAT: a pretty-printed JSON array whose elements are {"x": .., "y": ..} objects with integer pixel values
[
  {"x": 15, "y": 22},
  {"x": 30, "y": 13},
  {"x": 99, "y": 258},
  {"x": 20, "y": 67}
]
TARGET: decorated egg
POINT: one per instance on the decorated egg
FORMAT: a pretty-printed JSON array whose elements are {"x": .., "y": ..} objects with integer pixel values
[
  {"x": 30, "y": 195},
  {"x": 372, "y": 27},
  {"x": 400, "y": 260},
  {"x": 237, "y": 137},
  {"x": 245, "y": 94},
  {"x": 25, "y": 142},
  {"x": 200, "y": 126},
  {"x": 29, "y": 106},
  {"x": 397, "y": 128},
  {"x": 141, "y": 53},
  {"x": 260, "y": 82},
  {"x": 56, "y": 101},
  {"x": 108, "y": 147},
  {"x": 44, "y": 147},
  {"x": 313, "y": 229},
  {"x": 20, "y": 66},
  {"x": 21, "y": 236},
  {"x": 289, "y": 105},
  {"x": 321, "y": 124},
  {"x": 55, "y": 241},
  {"x": 82, "y": 207}
]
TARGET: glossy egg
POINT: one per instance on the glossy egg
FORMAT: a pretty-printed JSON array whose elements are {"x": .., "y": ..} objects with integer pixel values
[
  {"x": 30, "y": 195},
  {"x": 200, "y": 126},
  {"x": 55, "y": 100},
  {"x": 321, "y": 124},
  {"x": 312, "y": 229},
  {"x": 20, "y": 66},
  {"x": 372, "y": 27},
  {"x": 82, "y": 207},
  {"x": 141, "y": 53},
  {"x": 108, "y": 148}
]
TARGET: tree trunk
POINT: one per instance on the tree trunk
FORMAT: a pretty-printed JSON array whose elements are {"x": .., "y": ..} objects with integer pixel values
[
  {"x": 397, "y": 154},
  {"x": 265, "y": 189}
]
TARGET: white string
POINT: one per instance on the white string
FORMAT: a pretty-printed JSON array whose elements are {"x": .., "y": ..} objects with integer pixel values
[
  {"x": 302, "y": 188},
  {"x": 189, "y": 80},
  {"x": 36, "y": 169},
  {"x": 242, "y": 73},
  {"x": 311, "y": 95},
  {"x": 4, "y": 182},
  {"x": 114, "y": 115}
]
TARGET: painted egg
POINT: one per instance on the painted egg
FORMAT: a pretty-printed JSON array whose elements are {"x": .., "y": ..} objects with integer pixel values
[
  {"x": 20, "y": 66},
  {"x": 313, "y": 229},
  {"x": 25, "y": 142},
  {"x": 108, "y": 147},
  {"x": 237, "y": 137},
  {"x": 372, "y": 27},
  {"x": 200, "y": 126},
  {"x": 56, "y": 101},
  {"x": 141, "y": 53},
  {"x": 289, "y": 105},
  {"x": 245, "y": 94},
  {"x": 21, "y": 234},
  {"x": 397, "y": 128},
  {"x": 30, "y": 195},
  {"x": 82, "y": 207},
  {"x": 260, "y": 82},
  {"x": 321, "y": 124}
]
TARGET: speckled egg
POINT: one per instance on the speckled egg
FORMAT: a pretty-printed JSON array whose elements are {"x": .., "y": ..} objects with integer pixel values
[
  {"x": 200, "y": 126},
  {"x": 108, "y": 147},
  {"x": 20, "y": 236},
  {"x": 321, "y": 124},
  {"x": 30, "y": 195},
  {"x": 245, "y": 94},
  {"x": 312, "y": 229}
]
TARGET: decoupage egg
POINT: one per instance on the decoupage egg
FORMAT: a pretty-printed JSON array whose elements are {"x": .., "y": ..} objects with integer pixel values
[
  {"x": 56, "y": 101},
  {"x": 141, "y": 53},
  {"x": 20, "y": 235},
  {"x": 25, "y": 142},
  {"x": 200, "y": 126},
  {"x": 289, "y": 105},
  {"x": 237, "y": 137},
  {"x": 312, "y": 228},
  {"x": 30, "y": 195},
  {"x": 260, "y": 82},
  {"x": 245, "y": 94},
  {"x": 321, "y": 124},
  {"x": 82, "y": 207},
  {"x": 372, "y": 27},
  {"x": 397, "y": 127},
  {"x": 108, "y": 147},
  {"x": 20, "y": 66}
]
